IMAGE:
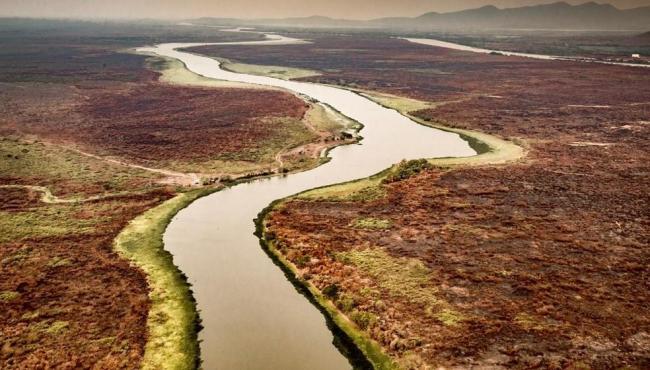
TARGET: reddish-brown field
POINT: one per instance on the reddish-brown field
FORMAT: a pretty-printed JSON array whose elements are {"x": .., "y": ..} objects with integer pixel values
[
  {"x": 540, "y": 263},
  {"x": 153, "y": 123},
  {"x": 68, "y": 300}
]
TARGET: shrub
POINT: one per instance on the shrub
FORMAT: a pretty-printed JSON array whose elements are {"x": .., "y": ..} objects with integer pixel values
[
  {"x": 371, "y": 223},
  {"x": 331, "y": 291},
  {"x": 346, "y": 303},
  {"x": 364, "y": 319},
  {"x": 406, "y": 169},
  {"x": 8, "y": 296}
]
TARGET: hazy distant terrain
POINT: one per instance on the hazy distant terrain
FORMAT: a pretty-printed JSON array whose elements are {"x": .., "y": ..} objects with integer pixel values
[{"x": 560, "y": 15}]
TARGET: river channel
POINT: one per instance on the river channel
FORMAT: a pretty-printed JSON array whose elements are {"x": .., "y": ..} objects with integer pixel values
[{"x": 253, "y": 316}]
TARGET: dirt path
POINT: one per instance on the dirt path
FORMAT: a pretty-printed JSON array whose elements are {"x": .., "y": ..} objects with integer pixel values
[
  {"x": 173, "y": 177},
  {"x": 48, "y": 197}
]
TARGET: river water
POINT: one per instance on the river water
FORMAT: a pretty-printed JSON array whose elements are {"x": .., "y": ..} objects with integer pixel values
[
  {"x": 454, "y": 46},
  {"x": 253, "y": 317}
]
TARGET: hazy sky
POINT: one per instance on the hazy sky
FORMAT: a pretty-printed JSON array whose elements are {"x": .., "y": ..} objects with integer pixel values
[{"x": 359, "y": 9}]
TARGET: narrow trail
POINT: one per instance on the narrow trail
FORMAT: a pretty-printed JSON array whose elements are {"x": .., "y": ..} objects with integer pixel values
[
  {"x": 49, "y": 198},
  {"x": 174, "y": 177}
]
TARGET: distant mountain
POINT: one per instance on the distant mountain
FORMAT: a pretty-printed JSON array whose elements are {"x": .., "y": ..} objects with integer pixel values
[{"x": 560, "y": 15}]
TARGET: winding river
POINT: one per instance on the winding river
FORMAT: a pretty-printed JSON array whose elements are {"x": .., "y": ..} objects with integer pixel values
[{"x": 253, "y": 317}]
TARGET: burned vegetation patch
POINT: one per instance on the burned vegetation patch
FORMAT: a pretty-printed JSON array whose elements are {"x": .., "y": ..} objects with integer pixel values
[
  {"x": 66, "y": 298},
  {"x": 472, "y": 271},
  {"x": 540, "y": 263},
  {"x": 156, "y": 122}
]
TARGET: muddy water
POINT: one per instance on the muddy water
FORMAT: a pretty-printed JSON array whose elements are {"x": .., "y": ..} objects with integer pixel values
[{"x": 253, "y": 317}]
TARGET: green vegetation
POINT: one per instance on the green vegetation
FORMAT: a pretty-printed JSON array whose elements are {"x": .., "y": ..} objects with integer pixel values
[
  {"x": 399, "y": 103},
  {"x": 54, "y": 220},
  {"x": 285, "y": 73},
  {"x": 8, "y": 296},
  {"x": 173, "y": 321},
  {"x": 401, "y": 277},
  {"x": 325, "y": 119},
  {"x": 59, "y": 262},
  {"x": 345, "y": 303},
  {"x": 18, "y": 255},
  {"x": 331, "y": 291},
  {"x": 406, "y": 169},
  {"x": 449, "y": 317},
  {"x": 528, "y": 322},
  {"x": 371, "y": 223},
  {"x": 48, "y": 327},
  {"x": 371, "y": 349},
  {"x": 64, "y": 168},
  {"x": 490, "y": 149},
  {"x": 364, "y": 319},
  {"x": 367, "y": 189},
  {"x": 173, "y": 71}
]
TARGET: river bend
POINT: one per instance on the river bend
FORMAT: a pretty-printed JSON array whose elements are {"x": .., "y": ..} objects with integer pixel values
[{"x": 253, "y": 317}]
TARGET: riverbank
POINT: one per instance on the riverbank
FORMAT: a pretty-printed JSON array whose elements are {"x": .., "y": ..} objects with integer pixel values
[
  {"x": 173, "y": 321},
  {"x": 353, "y": 324},
  {"x": 270, "y": 291},
  {"x": 518, "y": 264},
  {"x": 491, "y": 150},
  {"x": 67, "y": 297}
]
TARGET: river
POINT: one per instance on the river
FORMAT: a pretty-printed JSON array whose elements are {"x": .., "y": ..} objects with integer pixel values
[
  {"x": 253, "y": 317},
  {"x": 454, "y": 46}
]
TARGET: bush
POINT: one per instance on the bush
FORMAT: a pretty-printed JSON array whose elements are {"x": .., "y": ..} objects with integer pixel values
[
  {"x": 346, "y": 303},
  {"x": 406, "y": 169},
  {"x": 331, "y": 291},
  {"x": 364, "y": 319}
]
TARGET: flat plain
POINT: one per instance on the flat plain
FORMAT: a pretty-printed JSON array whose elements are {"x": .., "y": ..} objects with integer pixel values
[
  {"x": 537, "y": 262},
  {"x": 92, "y": 136}
]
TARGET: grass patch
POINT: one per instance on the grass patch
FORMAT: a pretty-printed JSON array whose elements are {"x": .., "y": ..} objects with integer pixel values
[
  {"x": 103, "y": 342},
  {"x": 363, "y": 319},
  {"x": 399, "y": 103},
  {"x": 18, "y": 256},
  {"x": 449, "y": 317},
  {"x": 8, "y": 296},
  {"x": 363, "y": 190},
  {"x": 55, "y": 220},
  {"x": 284, "y": 73},
  {"x": 528, "y": 322},
  {"x": 371, "y": 223},
  {"x": 173, "y": 322},
  {"x": 323, "y": 118},
  {"x": 51, "y": 221},
  {"x": 62, "y": 168},
  {"x": 50, "y": 328},
  {"x": 406, "y": 169},
  {"x": 59, "y": 262},
  {"x": 371, "y": 350},
  {"x": 406, "y": 278},
  {"x": 173, "y": 71}
]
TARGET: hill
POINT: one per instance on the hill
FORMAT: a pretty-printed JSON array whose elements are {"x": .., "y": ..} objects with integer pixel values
[{"x": 559, "y": 15}]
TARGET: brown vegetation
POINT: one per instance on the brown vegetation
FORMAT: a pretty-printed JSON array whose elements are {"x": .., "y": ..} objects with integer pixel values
[
  {"x": 67, "y": 101},
  {"x": 68, "y": 300},
  {"x": 542, "y": 263}
]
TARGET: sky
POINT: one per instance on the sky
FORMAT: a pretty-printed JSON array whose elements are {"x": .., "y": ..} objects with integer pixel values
[{"x": 179, "y": 9}]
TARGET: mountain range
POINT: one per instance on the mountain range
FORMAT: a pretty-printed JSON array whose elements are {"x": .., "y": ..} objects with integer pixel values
[{"x": 559, "y": 15}]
